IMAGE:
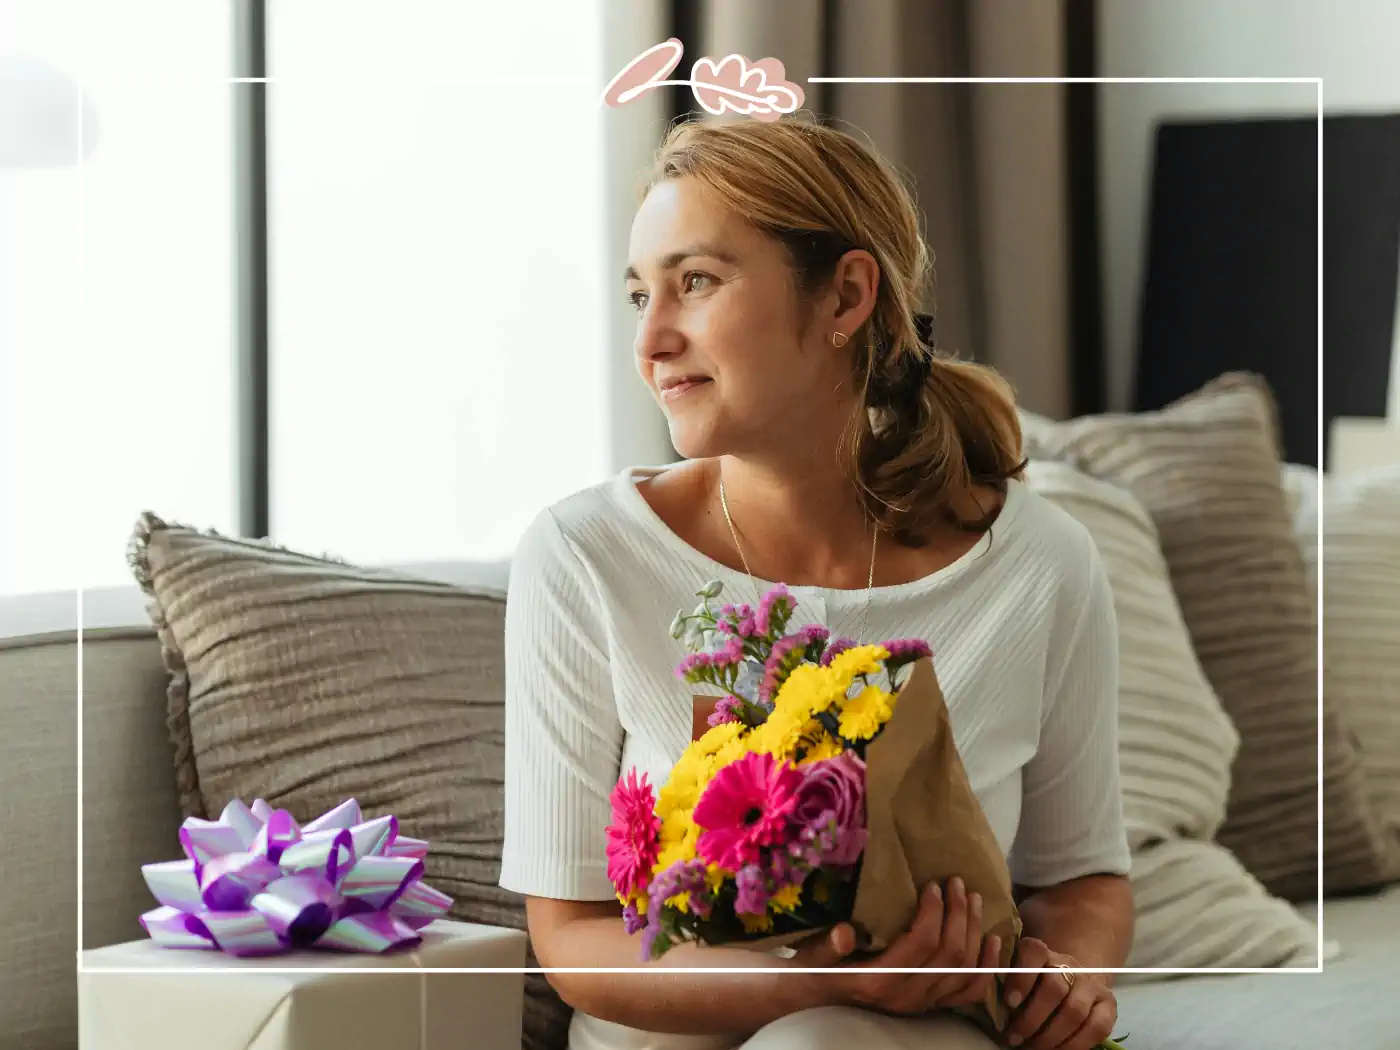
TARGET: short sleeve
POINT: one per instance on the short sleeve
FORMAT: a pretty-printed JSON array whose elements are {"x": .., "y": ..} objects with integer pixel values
[
  {"x": 1071, "y": 807},
  {"x": 563, "y": 741}
]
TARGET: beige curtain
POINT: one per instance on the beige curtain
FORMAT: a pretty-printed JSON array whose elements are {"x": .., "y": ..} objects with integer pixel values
[{"x": 987, "y": 161}]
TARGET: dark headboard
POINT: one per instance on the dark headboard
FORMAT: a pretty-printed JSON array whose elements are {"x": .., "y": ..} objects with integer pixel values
[{"x": 1230, "y": 280}]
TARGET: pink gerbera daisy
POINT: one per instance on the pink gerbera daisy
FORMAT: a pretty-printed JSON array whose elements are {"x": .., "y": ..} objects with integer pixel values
[
  {"x": 744, "y": 808},
  {"x": 633, "y": 834}
]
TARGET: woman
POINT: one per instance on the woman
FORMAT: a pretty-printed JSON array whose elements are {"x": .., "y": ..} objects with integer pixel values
[{"x": 774, "y": 269}]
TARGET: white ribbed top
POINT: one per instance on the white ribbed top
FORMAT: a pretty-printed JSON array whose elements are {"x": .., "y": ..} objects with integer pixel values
[{"x": 1025, "y": 647}]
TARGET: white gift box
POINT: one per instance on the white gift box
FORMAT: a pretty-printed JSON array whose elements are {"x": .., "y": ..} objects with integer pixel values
[{"x": 126, "y": 1000}]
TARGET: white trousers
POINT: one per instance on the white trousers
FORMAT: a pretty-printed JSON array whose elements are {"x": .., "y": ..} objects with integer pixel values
[{"x": 823, "y": 1028}]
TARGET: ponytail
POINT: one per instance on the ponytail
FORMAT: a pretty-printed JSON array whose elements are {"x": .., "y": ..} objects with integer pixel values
[{"x": 938, "y": 430}]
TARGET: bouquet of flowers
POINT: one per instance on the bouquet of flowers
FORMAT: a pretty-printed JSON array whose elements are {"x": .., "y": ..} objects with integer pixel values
[{"x": 822, "y": 785}]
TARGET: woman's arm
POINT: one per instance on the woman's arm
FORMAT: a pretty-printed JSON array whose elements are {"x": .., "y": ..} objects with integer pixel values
[
  {"x": 1072, "y": 844},
  {"x": 1089, "y": 918},
  {"x": 946, "y": 933},
  {"x": 576, "y": 934}
]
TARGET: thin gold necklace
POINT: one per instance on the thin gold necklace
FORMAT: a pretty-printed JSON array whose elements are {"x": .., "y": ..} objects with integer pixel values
[{"x": 869, "y": 585}]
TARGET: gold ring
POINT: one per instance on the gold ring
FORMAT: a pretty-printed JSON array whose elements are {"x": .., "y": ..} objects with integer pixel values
[{"x": 1069, "y": 973}]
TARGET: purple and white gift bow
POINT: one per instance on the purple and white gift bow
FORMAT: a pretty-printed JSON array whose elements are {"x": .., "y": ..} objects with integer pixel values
[{"x": 254, "y": 882}]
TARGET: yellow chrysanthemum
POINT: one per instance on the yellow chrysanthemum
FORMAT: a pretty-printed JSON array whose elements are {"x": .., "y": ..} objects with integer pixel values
[
  {"x": 676, "y": 825},
  {"x": 756, "y": 923},
  {"x": 865, "y": 713},
  {"x": 732, "y": 751},
  {"x": 779, "y": 736},
  {"x": 808, "y": 690},
  {"x": 717, "y": 737},
  {"x": 863, "y": 659},
  {"x": 681, "y": 849},
  {"x": 682, "y": 789},
  {"x": 824, "y": 747},
  {"x": 787, "y": 898},
  {"x": 715, "y": 876}
]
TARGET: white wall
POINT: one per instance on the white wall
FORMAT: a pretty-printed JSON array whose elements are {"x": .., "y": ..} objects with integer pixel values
[{"x": 1354, "y": 45}]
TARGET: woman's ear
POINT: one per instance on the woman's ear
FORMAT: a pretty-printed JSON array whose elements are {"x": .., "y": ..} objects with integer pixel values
[{"x": 856, "y": 284}]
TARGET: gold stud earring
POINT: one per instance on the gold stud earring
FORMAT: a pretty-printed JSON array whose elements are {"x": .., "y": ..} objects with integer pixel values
[{"x": 839, "y": 339}]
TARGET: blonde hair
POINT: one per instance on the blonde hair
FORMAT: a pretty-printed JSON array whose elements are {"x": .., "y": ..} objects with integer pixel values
[{"x": 934, "y": 427}]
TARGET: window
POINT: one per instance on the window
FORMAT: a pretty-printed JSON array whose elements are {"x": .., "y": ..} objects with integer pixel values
[
  {"x": 437, "y": 304},
  {"x": 438, "y": 298},
  {"x": 125, "y": 404}
]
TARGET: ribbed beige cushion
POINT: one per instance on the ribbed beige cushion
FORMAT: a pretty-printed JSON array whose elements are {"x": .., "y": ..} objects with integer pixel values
[
  {"x": 1193, "y": 904},
  {"x": 1361, "y": 605},
  {"x": 1207, "y": 470},
  {"x": 306, "y": 682},
  {"x": 1196, "y": 906},
  {"x": 1176, "y": 743}
]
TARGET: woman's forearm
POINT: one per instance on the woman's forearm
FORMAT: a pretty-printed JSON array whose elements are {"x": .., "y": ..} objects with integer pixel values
[
  {"x": 697, "y": 1002},
  {"x": 1089, "y": 918}
]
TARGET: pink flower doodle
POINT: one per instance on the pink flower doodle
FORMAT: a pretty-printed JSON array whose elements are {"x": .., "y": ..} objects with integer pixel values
[{"x": 760, "y": 89}]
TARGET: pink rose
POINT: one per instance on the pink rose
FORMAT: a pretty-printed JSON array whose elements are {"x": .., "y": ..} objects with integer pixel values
[{"x": 832, "y": 796}]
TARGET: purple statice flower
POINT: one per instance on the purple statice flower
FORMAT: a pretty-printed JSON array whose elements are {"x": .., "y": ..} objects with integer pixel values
[
  {"x": 839, "y": 646},
  {"x": 752, "y": 885},
  {"x": 684, "y": 876},
  {"x": 632, "y": 919},
  {"x": 785, "y": 656},
  {"x": 726, "y": 710},
  {"x": 774, "y": 610},
  {"x": 694, "y": 666},
  {"x": 783, "y": 869},
  {"x": 908, "y": 650},
  {"x": 736, "y": 620}
]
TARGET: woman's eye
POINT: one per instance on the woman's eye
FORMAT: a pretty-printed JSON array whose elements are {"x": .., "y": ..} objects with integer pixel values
[
  {"x": 692, "y": 279},
  {"x": 638, "y": 299}
]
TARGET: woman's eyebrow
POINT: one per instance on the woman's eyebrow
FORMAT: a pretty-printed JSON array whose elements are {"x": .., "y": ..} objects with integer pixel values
[{"x": 671, "y": 260}]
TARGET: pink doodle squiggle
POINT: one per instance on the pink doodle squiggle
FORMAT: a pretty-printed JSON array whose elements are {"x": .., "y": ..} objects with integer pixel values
[{"x": 760, "y": 90}]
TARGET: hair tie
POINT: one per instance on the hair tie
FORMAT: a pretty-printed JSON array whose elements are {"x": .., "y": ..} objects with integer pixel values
[{"x": 921, "y": 366}]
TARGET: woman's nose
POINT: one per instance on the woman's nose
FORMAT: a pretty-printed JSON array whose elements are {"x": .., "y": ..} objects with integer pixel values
[{"x": 657, "y": 335}]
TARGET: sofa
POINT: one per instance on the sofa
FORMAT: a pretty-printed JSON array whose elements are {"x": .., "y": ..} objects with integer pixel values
[
  {"x": 175, "y": 721},
  {"x": 130, "y": 816}
]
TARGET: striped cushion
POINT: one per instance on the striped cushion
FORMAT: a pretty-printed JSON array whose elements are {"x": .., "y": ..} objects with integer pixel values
[
  {"x": 307, "y": 681},
  {"x": 1176, "y": 743},
  {"x": 1361, "y": 602},
  {"x": 1207, "y": 470},
  {"x": 1194, "y": 905}
]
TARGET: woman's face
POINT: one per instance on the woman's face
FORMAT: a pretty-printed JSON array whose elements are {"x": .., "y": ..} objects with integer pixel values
[{"x": 718, "y": 310}]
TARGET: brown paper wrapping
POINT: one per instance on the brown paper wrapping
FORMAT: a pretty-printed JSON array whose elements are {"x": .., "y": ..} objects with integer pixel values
[{"x": 925, "y": 825}]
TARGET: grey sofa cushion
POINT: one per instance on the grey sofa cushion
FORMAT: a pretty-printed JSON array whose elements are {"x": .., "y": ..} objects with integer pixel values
[
  {"x": 306, "y": 681},
  {"x": 1207, "y": 470},
  {"x": 129, "y": 813},
  {"x": 1351, "y": 1004}
]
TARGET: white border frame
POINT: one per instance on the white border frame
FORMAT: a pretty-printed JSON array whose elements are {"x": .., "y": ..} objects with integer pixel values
[{"x": 263, "y": 969}]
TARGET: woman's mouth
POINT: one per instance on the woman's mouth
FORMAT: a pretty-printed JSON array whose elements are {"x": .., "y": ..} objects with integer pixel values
[{"x": 675, "y": 393}]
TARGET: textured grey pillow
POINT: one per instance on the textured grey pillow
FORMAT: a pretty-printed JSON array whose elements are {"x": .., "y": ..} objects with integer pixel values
[
  {"x": 307, "y": 681},
  {"x": 1361, "y": 599},
  {"x": 1194, "y": 906},
  {"x": 1207, "y": 469}
]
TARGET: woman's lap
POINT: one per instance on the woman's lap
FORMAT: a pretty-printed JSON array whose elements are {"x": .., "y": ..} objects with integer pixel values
[
  {"x": 843, "y": 1027},
  {"x": 824, "y": 1028}
]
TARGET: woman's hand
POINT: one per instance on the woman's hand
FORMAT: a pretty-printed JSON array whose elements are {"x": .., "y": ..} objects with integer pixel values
[
  {"x": 947, "y": 932},
  {"x": 1057, "y": 1011}
]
